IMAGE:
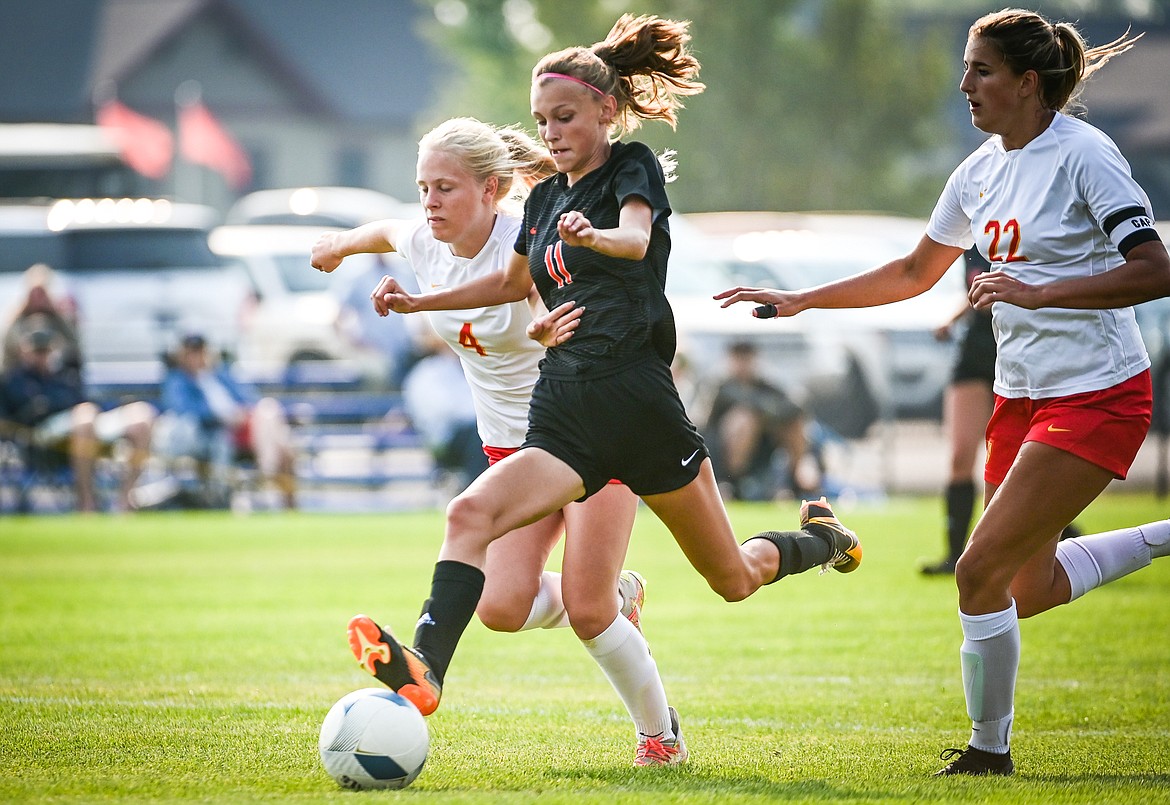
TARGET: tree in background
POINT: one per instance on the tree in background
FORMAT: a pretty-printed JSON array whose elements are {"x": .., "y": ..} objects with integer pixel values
[{"x": 831, "y": 105}]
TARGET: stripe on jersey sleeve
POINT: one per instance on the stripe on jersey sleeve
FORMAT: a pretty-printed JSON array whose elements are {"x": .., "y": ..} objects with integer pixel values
[{"x": 1129, "y": 227}]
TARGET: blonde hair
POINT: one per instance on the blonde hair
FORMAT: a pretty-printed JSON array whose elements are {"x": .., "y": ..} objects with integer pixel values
[
  {"x": 510, "y": 154},
  {"x": 643, "y": 63},
  {"x": 1056, "y": 51}
]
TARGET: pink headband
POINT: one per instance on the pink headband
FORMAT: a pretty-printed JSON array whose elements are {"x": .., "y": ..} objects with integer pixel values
[{"x": 573, "y": 79}]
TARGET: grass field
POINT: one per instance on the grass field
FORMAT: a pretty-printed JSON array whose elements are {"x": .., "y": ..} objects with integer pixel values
[{"x": 191, "y": 658}]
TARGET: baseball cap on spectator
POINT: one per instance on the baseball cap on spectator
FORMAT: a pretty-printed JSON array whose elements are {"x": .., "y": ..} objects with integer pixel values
[{"x": 40, "y": 340}]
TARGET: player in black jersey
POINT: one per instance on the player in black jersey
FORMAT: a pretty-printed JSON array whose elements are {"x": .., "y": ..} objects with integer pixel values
[{"x": 595, "y": 243}]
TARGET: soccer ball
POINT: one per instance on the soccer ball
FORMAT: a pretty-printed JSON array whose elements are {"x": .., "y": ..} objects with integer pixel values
[{"x": 373, "y": 738}]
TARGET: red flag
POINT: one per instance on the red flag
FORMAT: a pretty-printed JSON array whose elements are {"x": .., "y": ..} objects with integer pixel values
[
  {"x": 146, "y": 144},
  {"x": 204, "y": 141}
]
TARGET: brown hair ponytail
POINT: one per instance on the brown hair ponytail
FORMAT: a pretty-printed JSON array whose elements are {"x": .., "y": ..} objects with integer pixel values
[{"x": 643, "y": 62}]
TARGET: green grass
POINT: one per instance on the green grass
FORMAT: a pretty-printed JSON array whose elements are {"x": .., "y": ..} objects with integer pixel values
[{"x": 191, "y": 658}]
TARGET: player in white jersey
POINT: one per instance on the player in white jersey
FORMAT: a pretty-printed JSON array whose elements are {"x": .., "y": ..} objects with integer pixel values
[
  {"x": 1051, "y": 204},
  {"x": 465, "y": 170}
]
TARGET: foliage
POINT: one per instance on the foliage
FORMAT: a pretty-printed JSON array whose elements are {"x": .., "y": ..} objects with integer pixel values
[
  {"x": 833, "y": 105},
  {"x": 192, "y": 657}
]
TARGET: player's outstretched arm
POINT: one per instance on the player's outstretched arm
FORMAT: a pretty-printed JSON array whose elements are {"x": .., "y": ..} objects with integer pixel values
[
  {"x": 331, "y": 248},
  {"x": 498, "y": 288},
  {"x": 894, "y": 281}
]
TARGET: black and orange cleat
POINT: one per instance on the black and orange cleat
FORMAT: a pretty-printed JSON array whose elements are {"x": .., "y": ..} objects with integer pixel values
[
  {"x": 394, "y": 665},
  {"x": 817, "y": 518}
]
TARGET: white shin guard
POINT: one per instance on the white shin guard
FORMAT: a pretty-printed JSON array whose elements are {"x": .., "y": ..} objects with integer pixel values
[{"x": 991, "y": 658}]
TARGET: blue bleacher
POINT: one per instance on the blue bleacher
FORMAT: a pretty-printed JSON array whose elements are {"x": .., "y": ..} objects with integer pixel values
[{"x": 326, "y": 404}]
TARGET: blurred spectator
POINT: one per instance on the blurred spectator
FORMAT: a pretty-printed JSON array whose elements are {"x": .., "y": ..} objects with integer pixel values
[
  {"x": 42, "y": 405},
  {"x": 750, "y": 420},
  {"x": 439, "y": 404},
  {"x": 393, "y": 336},
  {"x": 39, "y": 311},
  {"x": 694, "y": 393},
  {"x": 214, "y": 419}
]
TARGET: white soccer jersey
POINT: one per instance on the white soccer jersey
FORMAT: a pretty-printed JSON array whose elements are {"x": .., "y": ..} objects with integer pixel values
[
  {"x": 499, "y": 359},
  {"x": 1059, "y": 207}
]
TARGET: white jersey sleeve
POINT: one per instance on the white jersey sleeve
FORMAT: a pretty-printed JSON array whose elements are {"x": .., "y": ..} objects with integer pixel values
[
  {"x": 499, "y": 360},
  {"x": 949, "y": 224},
  {"x": 1117, "y": 203}
]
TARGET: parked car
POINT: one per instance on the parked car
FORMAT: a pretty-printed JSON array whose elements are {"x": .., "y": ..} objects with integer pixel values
[
  {"x": 343, "y": 207},
  {"x": 300, "y": 316},
  {"x": 139, "y": 271},
  {"x": 805, "y": 362},
  {"x": 866, "y": 364}
]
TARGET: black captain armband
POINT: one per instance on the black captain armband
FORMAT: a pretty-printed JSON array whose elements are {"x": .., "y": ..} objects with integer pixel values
[{"x": 1129, "y": 227}]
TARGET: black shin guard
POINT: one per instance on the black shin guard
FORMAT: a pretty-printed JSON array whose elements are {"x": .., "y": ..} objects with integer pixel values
[
  {"x": 455, "y": 592},
  {"x": 799, "y": 551}
]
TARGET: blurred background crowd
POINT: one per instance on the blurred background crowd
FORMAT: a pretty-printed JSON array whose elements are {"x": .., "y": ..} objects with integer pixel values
[{"x": 165, "y": 167}]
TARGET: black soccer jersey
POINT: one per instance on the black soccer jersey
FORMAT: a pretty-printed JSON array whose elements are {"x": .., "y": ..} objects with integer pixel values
[{"x": 627, "y": 317}]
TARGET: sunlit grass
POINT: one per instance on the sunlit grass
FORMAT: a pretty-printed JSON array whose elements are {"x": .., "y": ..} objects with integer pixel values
[{"x": 192, "y": 658}]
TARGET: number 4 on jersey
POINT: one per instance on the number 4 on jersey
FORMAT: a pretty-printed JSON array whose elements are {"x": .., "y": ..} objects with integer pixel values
[{"x": 468, "y": 341}]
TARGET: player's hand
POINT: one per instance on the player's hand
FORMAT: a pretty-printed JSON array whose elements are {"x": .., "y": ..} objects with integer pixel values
[
  {"x": 557, "y": 326},
  {"x": 771, "y": 302},
  {"x": 996, "y": 286},
  {"x": 390, "y": 297},
  {"x": 576, "y": 230},
  {"x": 323, "y": 257}
]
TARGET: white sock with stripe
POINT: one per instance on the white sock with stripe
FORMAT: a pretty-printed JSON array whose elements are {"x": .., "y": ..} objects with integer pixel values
[{"x": 991, "y": 659}]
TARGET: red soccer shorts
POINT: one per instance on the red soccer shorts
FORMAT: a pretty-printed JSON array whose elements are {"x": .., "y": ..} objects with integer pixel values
[{"x": 1105, "y": 427}]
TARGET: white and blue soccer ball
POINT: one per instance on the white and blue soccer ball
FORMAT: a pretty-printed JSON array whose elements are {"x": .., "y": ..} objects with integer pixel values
[{"x": 374, "y": 738}]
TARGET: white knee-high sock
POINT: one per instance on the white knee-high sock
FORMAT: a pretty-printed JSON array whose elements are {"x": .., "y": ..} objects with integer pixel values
[
  {"x": 1096, "y": 559},
  {"x": 548, "y": 609},
  {"x": 991, "y": 659},
  {"x": 624, "y": 657}
]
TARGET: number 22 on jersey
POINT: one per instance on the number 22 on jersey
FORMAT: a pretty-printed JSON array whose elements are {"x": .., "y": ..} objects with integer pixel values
[{"x": 997, "y": 232}]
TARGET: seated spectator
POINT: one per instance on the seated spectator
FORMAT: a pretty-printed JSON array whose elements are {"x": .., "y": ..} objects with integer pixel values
[
  {"x": 39, "y": 311},
  {"x": 749, "y": 421},
  {"x": 211, "y": 417},
  {"x": 438, "y": 401},
  {"x": 42, "y": 404}
]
